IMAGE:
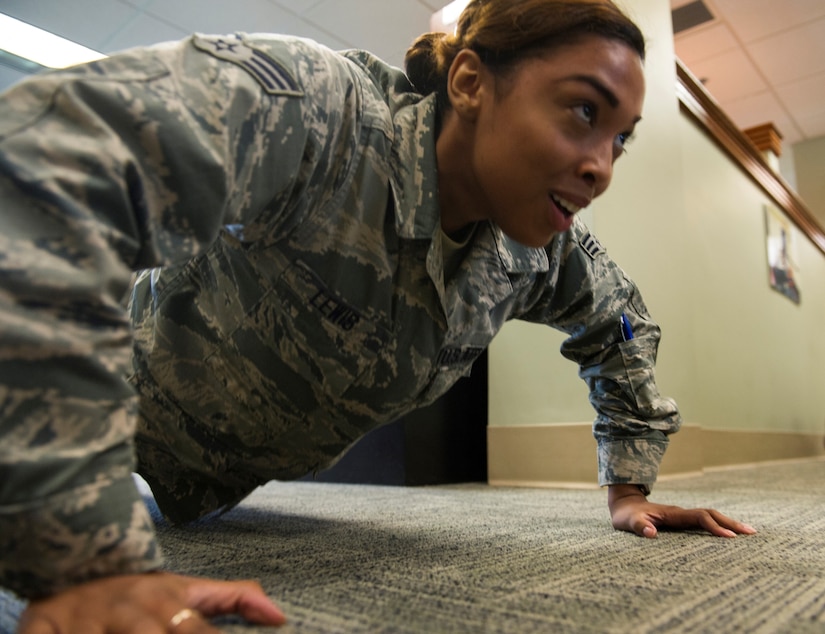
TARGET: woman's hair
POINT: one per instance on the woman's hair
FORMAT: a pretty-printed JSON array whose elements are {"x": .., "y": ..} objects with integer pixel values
[{"x": 504, "y": 32}]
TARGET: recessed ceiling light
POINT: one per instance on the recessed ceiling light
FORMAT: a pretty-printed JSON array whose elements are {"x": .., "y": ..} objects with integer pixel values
[
  {"x": 42, "y": 47},
  {"x": 450, "y": 13}
]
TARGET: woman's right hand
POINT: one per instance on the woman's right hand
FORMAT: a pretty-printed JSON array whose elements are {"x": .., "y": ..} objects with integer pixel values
[{"x": 148, "y": 603}]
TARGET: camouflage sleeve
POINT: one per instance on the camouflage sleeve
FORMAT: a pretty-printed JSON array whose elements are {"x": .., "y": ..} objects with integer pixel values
[
  {"x": 135, "y": 161},
  {"x": 589, "y": 294}
]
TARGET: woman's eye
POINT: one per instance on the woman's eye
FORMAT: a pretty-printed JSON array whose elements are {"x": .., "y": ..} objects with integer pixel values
[
  {"x": 586, "y": 112},
  {"x": 623, "y": 139}
]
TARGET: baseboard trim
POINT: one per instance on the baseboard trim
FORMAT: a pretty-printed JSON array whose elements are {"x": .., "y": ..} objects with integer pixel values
[
  {"x": 537, "y": 484},
  {"x": 564, "y": 456},
  {"x": 750, "y": 465}
]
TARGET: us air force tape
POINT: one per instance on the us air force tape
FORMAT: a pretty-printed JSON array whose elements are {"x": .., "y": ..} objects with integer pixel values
[
  {"x": 591, "y": 246},
  {"x": 270, "y": 74}
]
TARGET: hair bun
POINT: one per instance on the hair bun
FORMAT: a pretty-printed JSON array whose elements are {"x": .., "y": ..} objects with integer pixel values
[{"x": 422, "y": 63}]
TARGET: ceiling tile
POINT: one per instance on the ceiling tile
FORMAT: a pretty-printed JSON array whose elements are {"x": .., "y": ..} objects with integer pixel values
[
  {"x": 304, "y": 28},
  {"x": 184, "y": 17},
  {"x": 805, "y": 100},
  {"x": 378, "y": 26},
  {"x": 240, "y": 15},
  {"x": 434, "y": 5},
  {"x": 763, "y": 107},
  {"x": 299, "y": 7},
  {"x": 805, "y": 97},
  {"x": 755, "y": 19},
  {"x": 142, "y": 30},
  {"x": 729, "y": 76},
  {"x": 703, "y": 42},
  {"x": 791, "y": 55},
  {"x": 813, "y": 126}
]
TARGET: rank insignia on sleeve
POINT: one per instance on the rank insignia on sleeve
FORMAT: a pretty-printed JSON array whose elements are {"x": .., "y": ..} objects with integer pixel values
[
  {"x": 591, "y": 245},
  {"x": 272, "y": 76}
]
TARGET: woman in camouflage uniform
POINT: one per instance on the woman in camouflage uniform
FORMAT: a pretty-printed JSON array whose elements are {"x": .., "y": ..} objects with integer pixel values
[{"x": 325, "y": 245}]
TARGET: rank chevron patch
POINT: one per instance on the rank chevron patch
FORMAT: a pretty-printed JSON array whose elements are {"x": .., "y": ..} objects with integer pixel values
[
  {"x": 591, "y": 245},
  {"x": 274, "y": 78}
]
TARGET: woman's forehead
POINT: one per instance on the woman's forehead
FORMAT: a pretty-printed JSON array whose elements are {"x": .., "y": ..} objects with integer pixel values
[{"x": 609, "y": 68}]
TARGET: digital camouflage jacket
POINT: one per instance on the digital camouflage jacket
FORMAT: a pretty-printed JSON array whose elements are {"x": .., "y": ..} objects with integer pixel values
[{"x": 280, "y": 203}]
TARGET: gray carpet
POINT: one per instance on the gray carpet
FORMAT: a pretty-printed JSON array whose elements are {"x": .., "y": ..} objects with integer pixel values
[{"x": 470, "y": 558}]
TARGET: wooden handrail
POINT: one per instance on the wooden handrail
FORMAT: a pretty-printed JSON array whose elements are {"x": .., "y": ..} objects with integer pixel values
[{"x": 695, "y": 101}]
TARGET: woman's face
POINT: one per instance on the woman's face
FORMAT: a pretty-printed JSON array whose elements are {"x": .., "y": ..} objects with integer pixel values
[{"x": 541, "y": 142}]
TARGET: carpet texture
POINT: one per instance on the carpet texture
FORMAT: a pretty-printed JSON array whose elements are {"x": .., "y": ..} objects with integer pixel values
[{"x": 471, "y": 558}]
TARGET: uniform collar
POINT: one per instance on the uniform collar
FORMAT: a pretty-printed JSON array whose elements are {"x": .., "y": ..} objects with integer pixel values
[
  {"x": 517, "y": 258},
  {"x": 415, "y": 171}
]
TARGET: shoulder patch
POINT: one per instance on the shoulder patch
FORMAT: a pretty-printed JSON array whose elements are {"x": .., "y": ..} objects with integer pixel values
[
  {"x": 270, "y": 74},
  {"x": 591, "y": 245}
]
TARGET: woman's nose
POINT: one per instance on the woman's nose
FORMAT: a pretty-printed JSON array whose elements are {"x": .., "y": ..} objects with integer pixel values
[{"x": 597, "y": 166}]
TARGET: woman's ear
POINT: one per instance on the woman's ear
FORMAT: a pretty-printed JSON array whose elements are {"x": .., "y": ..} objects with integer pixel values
[{"x": 464, "y": 84}]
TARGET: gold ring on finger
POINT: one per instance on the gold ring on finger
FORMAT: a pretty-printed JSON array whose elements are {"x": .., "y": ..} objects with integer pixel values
[{"x": 180, "y": 617}]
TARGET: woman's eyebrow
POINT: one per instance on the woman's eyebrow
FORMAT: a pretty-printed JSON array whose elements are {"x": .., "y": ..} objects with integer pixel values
[
  {"x": 603, "y": 90},
  {"x": 598, "y": 86}
]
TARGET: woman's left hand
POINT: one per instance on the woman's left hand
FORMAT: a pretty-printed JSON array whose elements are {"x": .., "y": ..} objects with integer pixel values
[{"x": 631, "y": 511}]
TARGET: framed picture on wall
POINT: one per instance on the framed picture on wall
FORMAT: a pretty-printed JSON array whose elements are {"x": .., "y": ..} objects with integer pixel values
[{"x": 782, "y": 269}]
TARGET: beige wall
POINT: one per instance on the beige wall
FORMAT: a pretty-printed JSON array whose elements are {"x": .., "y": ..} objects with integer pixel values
[
  {"x": 640, "y": 221},
  {"x": 809, "y": 174},
  {"x": 761, "y": 357},
  {"x": 688, "y": 226}
]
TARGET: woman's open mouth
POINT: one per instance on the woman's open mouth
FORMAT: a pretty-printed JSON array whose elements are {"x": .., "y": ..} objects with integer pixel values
[
  {"x": 565, "y": 206},
  {"x": 565, "y": 211}
]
